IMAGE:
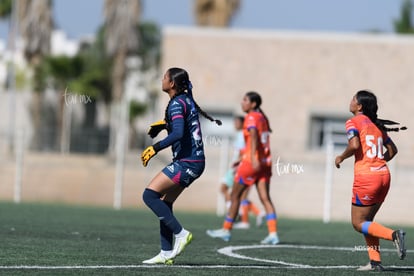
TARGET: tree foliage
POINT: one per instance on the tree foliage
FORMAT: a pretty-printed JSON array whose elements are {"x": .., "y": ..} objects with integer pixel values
[
  {"x": 149, "y": 49},
  {"x": 88, "y": 73},
  {"x": 404, "y": 24},
  {"x": 5, "y": 8},
  {"x": 216, "y": 13},
  {"x": 121, "y": 20}
]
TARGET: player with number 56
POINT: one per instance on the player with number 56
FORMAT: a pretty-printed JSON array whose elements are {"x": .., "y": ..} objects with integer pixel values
[{"x": 369, "y": 142}]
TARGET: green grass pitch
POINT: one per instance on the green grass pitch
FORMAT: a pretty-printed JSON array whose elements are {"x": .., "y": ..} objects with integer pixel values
[{"x": 40, "y": 239}]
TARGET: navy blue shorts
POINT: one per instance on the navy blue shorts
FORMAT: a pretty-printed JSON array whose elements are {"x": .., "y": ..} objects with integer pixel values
[{"x": 184, "y": 173}]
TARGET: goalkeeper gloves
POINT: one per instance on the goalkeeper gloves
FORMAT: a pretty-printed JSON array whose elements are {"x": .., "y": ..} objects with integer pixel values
[
  {"x": 155, "y": 128},
  {"x": 148, "y": 153}
]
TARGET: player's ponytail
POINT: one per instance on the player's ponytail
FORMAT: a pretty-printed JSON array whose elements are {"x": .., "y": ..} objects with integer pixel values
[
  {"x": 183, "y": 85},
  {"x": 368, "y": 101},
  {"x": 254, "y": 97}
]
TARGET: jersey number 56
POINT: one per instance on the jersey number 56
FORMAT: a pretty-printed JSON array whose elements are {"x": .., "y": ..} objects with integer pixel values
[{"x": 375, "y": 147}]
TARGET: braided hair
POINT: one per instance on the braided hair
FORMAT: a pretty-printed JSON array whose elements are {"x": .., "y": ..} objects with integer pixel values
[
  {"x": 368, "y": 100},
  {"x": 183, "y": 85},
  {"x": 254, "y": 97}
]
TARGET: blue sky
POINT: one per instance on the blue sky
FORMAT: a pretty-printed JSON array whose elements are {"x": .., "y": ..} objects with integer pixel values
[{"x": 80, "y": 17}]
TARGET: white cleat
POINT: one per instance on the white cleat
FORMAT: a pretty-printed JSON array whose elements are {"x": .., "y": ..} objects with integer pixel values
[
  {"x": 259, "y": 219},
  {"x": 160, "y": 259},
  {"x": 271, "y": 239},
  {"x": 223, "y": 234},
  {"x": 181, "y": 243},
  {"x": 241, "y": 225},
  {"x": 374, "y": 266}
]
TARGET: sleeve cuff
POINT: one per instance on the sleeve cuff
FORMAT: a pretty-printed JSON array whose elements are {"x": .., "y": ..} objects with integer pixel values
[{"x": 157, "y": 147}]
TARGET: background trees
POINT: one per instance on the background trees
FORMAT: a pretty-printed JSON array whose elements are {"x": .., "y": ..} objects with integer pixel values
[
  {"x": 216, "y": 13},
  {"x": 404, "y": 24}
]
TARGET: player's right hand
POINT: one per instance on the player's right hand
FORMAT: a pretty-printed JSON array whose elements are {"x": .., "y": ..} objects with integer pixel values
[
  {"x": 338, "y": 161},
  {"x": 147, "y": 154},
  {"x": 155, "y": 128}
]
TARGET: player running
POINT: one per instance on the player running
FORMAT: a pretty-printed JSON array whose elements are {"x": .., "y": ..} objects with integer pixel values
[
  {"x": 367, "y": 138},
  {"x": 255, "y": 168},
  {"x": 184, "y": 136}
]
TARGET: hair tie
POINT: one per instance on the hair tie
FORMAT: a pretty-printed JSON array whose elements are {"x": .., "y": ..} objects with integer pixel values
[{"x": 190, "y": 89}]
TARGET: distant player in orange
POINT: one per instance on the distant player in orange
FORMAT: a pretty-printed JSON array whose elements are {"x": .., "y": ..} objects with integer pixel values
[
  {"x": 255, "y": 168},
  {"x": 246, "y": 205},
  {"x": 367, "y": 139}
]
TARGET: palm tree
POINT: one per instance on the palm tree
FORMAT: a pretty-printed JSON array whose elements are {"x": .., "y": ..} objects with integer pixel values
[
  {"x": 5, "y": 8},
  {"x": 35, "y": 27},
  {"x": 34, "y": 21},
  {"x": 121, "y": 38},
  {"x": 216, "y": 13}
]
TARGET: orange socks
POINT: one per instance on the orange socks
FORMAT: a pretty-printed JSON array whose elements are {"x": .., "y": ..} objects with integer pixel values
[
  {"x": 246, "y": 206},
  {"x": 373, "y": 248},
  {"x": 376, "y": 230},
  {"x": 244, "y": 210},
  {"x": 253, "y": 208},
  {"x": 228, "y": 223},
  {"x": 271, "y": 220}
]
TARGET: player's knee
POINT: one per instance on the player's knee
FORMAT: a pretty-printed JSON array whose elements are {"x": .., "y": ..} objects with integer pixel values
[
  {"x": 148, "y": 196},
  {"x": 265, "y": 200},
  {"x": 357, "y": 225}
]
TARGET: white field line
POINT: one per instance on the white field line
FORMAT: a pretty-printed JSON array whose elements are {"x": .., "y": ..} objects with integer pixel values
[
  {"x": 86, "y": 267},
  {"x": 228, "y": 251},
  {"x": 67, "y": 267},
  {"x": 115, "y": 267}
]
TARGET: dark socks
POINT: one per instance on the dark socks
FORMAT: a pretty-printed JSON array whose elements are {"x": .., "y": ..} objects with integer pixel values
[
  {"x": 162, "y": 210},
  {"x": 166, "y": 234}
]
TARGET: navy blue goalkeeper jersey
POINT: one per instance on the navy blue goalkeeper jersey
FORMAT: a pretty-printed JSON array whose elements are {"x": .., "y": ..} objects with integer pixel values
[{"x": 184, "y": 132}]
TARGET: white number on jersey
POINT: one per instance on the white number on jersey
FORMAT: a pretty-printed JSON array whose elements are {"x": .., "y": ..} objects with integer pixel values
[{"x": 375, "y": 147}]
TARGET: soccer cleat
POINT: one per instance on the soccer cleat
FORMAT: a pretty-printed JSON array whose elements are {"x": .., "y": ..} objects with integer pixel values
[
  {"x": 181, "y": 243},
  {"x": 271, "y": 239},
  {"x": 259, "y": 219},
  {"x": 398, "y": 237},
  {"x": 223, "y": 234},
  {"x": 241, "y": 225},
  {"x": 160, "y": 259},
  {"x": 371, "y": 266}
]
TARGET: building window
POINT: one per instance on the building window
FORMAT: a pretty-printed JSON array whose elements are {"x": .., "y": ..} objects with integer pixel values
[{"x": 325, "y": 129}]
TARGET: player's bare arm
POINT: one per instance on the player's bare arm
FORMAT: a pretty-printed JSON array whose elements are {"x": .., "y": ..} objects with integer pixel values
[
  {"x": 353, "y": 145},
  {"x": 391, "y": 151}
]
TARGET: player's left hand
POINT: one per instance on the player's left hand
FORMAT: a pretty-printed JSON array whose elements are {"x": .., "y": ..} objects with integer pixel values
[
  {"x": 147, "y": 154},
  {"x": 156, "y": 128}
]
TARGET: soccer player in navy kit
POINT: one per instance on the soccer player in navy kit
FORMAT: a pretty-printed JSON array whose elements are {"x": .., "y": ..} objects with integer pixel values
[{"x": 184, "y": 136}]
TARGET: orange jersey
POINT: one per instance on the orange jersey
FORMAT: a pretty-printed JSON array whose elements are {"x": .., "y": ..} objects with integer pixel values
[
  {"x": 369, "y": 157},
  {"x": 255, "y": 119}
]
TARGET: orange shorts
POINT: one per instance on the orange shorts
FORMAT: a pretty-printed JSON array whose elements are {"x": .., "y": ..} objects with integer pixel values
[
  {"x": 246, "y": 175},
  {"x": 370, "y": 189}
]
